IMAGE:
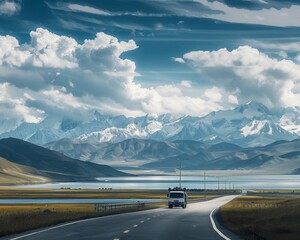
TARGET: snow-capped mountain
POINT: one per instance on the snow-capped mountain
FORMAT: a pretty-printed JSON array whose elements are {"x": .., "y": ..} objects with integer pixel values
[
  {"x": 290, "y": 120},
  {"x": 251, "y": 124}
]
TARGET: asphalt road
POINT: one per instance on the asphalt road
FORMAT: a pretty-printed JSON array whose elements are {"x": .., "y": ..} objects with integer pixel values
[{"x": 159, "y": 224}]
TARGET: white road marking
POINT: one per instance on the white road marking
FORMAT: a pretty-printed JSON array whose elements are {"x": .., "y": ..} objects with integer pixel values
[
  {"x": 51, "y": 228},
  {"x": 135, "y": 225},
  {"x": 141, "y": 221},
  {"x": 148, "y": 218},
  {"x": 215, "y": 227},
  {"x": 126, "y": 231}
]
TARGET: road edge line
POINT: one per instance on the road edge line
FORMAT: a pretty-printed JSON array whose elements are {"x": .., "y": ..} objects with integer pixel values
[
  {"x": 54, "y": 227},
  {"x": 215, "y": 226},
  {"x": 67, "y": 224}
]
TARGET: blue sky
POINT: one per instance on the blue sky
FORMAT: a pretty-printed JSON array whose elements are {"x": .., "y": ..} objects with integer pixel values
[{"x": 180, "y": 57}]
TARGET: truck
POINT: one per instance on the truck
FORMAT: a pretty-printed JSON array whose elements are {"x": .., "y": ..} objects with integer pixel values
[{"x": 177, "y": 197}]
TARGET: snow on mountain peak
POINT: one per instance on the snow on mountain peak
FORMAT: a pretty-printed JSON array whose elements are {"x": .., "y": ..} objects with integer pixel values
[
  {"x": 250, "y": 123},
  {"x": 114, "y": 134},
  {"x": 257, "y": 127},
  {"x": 253, "y": 108}
]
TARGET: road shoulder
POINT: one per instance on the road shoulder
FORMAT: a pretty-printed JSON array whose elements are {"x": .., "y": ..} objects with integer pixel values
[{"x": 216, "y": 216}]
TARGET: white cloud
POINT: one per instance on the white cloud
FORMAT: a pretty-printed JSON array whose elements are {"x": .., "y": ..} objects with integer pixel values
[
  {"x": 287, "y": 47},
  {"x": 45, "y": 50},
  {"x": 267, "y": 16},
  {"x": 283, "y": 54},
  {"x": 289, "y": 96},
  {"x": 170, "y": 99},
  {"x": 179, "y": 60},
  {"x": 50, "y": 50},
  {"x": 87, "y": 9},
  {"x": 249, "y": 74},
  {"x": 214, "y": 94},
  {"x": 58, "y": 76},
  {"x": 10, "y": 53},
  {"x": 186, "y": 83},
  {"x": 97, "y": 11},
  {"x": 297, "y": 58},
  {"x": 13, "y": 105},
  {"x": 9, "y": 8},
  {"x": 233, "y": 100},
  {"x": 263, "y": 1}
]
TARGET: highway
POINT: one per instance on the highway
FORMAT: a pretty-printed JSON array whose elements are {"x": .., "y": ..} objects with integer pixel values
[{"x": 191, "y": 223}]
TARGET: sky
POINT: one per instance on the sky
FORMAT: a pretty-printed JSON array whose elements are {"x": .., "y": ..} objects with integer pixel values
[{"x": 69, "y": 58}]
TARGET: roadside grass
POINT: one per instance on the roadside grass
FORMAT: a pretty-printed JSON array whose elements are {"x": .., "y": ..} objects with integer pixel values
[
  {"x": 21, "y": 193},
  {"x": 20, "y": 218},
  {"x": 283, "y": 191},
  {"x": 263, "y": 217}
]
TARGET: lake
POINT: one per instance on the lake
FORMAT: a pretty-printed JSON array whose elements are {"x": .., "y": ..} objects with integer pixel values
[{"x": 244, "y": 182}]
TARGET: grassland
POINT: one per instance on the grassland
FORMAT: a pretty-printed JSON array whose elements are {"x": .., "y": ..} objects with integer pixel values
[
  {"x": 285, "y": 191},
  {"x": 263, "y": 217},
  {"x": 22, "y": 193},
  {"x": 20, "y": 218}
]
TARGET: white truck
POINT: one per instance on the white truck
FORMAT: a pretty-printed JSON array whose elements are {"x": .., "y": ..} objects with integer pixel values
[{"x": 177, "y": 197}]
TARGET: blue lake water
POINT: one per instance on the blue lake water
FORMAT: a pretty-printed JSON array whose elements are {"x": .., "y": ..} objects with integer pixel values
[{"x": 244, "y": 182}]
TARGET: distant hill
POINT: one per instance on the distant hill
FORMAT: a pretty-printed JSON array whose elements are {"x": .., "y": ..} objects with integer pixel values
[
  {"x": 279, "y": 157},
  {"x": 12, "y": 173},
  {"x": 19, "y": 157}
]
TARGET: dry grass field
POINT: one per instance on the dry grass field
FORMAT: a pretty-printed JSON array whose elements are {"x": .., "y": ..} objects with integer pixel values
[
  {"x": 19, "y": 218},
  {"x": 263, "y": 217},
  {"x": 279, "y": 191},
  {"x": 11, "y": 192}
]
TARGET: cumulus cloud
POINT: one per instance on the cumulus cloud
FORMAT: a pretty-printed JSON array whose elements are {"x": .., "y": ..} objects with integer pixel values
[
  {"x": 13, "y": 104},
  {"x": 52, "y": 51},
  {"x": 249, "y": 74},
  {"x": 10, "y": 52},
  {"x": 214, "y": 94},
  {"x": 9, "y": 8},
  {"x": 58, "y": 76}
]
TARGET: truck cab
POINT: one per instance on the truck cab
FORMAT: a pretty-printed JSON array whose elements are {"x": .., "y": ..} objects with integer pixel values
[{"x": 177, "y": 198}]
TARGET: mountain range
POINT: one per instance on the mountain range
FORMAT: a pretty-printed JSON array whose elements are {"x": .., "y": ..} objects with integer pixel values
[
  {"x": 24, "y": 162},
  {"x": 248, "y": 125},
  {"x": 281, "y": 157}
]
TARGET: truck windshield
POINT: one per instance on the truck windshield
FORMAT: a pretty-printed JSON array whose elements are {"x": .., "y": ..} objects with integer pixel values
[{"x": 176, "y": 195}]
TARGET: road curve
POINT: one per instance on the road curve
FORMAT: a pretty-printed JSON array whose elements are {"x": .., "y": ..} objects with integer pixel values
[{"x": 162, "y": 224}]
